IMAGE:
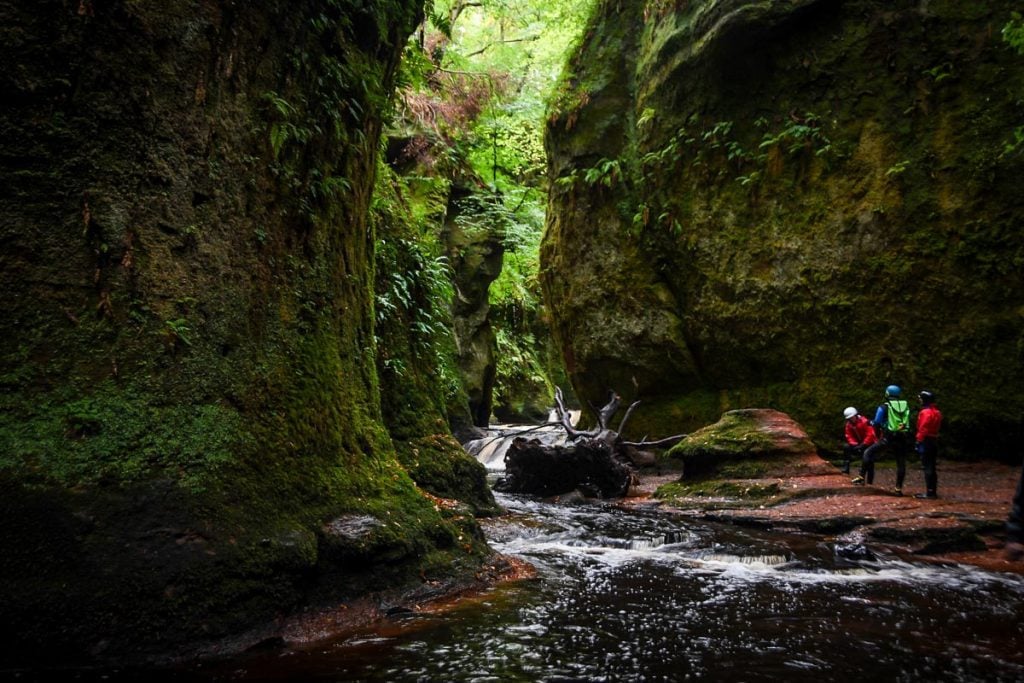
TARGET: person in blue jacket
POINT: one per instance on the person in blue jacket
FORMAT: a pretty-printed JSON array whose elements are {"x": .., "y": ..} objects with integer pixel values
[{"x": 892, "y": 420}]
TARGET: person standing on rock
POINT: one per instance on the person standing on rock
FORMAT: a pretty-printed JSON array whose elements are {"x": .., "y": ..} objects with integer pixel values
[
  {"x": 859, "y": 435},
  {"x": 1015, "y": 524},
  {"x": 926, "y": 442},
  {"x": 892, "y": 419}
]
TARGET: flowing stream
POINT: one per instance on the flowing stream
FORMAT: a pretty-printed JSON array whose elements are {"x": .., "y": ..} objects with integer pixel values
[{"x": 639, "y": 595}]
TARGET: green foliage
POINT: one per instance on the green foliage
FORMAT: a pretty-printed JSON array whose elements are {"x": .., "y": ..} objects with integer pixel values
[
  {"x": 606, "y": 172},
  {"x": 898, "y": 168},
  {"x": 519, "y": 366},
  {"x": 751, "y": 178},
  {"x": 178, "y": 332},
  {"x": 283, "y": 129},
  {"x": 310, "y": 130},
  {"x": 418, "y": 287},
  {"x": 940, "y": 73},
  {"x": 1013, "y": 32},
  {"x": 525, "y": 38},
  {"x": 507, "y": 149},
  {"x": 510, "y": 50},
  {"x": 485, "y": 213},
  {"x": 522, "y": 223},
  {"x": 1017, "y": 143},
  {"x": 714, "y": 153},
  {"x": 646, "y": 117},
  {"x": 1013, "y": 35},
  {"x": 474, "y": 86},
  {"x": 413, "y": 288},
  {"x": 799, "y": 135}
]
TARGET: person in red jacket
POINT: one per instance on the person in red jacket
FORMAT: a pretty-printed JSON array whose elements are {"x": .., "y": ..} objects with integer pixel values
[
  {"x": 927, "y": 442},
  {"x": 859, "y": 435}
]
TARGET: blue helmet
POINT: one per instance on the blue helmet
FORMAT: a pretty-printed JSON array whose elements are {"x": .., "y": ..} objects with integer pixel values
[{"x": 893, "y": 391}]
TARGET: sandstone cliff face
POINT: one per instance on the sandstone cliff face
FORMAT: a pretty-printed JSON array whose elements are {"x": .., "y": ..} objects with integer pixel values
[
  {"x": 190, "y": 429},
  {"x": 791, "y": 204}
]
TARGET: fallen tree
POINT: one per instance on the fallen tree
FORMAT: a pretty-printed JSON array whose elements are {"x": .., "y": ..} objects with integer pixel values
[{"x": 596, "y": 462}]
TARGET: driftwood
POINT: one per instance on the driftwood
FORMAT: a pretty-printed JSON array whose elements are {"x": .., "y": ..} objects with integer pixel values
[
  {"x": 603, "y": 416},
  {"x": 597, "y": 462}
]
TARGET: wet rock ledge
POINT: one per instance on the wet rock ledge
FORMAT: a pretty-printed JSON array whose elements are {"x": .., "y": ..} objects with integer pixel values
[{"x": 758, "y": 468}]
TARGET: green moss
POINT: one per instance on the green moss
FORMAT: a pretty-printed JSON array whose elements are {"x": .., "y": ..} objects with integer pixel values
[
  {"x": 439, "y": 465},
  {"x": 120, "y": 436},
  {"x": 732, "y": 436},
  {"x": 187, "y": 409},
  {"x": 715, "y": 488}
]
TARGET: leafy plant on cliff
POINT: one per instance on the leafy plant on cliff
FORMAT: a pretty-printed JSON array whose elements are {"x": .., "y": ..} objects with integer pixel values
[
  {"x": 417, "y": 286},
  {"x": 802, "y": 133},
  {"x": 1013, "y": 35},
  {"x": 1013, "y": 32},
  {"x": 606, "y": 172},
  {"x": 413, "y": 289}
]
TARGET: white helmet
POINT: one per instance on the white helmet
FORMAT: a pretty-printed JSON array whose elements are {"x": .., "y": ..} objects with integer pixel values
[{"x": 849, "y": 412}]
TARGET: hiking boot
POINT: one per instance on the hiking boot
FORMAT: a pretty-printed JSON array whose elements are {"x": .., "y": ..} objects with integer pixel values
[
  {"x": 857, "y": 480},
  {"x": 898, "y": 491},
  {"x": 928, "y": 496}
]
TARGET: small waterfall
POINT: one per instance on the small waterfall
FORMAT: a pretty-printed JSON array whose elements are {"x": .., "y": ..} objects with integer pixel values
[
  {"x": 490, "y": 450},
  {"x": 670, "y": 538},
  {"x": 765, "y": 560}
]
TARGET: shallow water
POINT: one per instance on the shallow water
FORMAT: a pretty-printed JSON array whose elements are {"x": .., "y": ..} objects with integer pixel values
[
  {"x": 636, "y": 595},
  {"x": 640, "y": 596}
]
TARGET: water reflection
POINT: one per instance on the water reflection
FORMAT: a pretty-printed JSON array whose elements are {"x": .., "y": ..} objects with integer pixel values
[{"x": 638, "y": 596}]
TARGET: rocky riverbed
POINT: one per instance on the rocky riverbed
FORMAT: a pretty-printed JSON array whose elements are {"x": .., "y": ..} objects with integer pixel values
[{"x": 964, "y": 524}]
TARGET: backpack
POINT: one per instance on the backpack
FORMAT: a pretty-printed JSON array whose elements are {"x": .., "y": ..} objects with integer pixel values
[{"x": 897, "y": 416}]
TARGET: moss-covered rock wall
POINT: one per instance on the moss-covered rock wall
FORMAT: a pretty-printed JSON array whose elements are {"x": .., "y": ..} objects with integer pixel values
[
  {"x": 422, "y": 394},
  {"x": 791, "y": 204},
  {"x": 190, "y": 427}
]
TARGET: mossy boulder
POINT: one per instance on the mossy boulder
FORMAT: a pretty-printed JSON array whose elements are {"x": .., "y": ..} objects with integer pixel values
[
  {"x": 749, "y": 457},
  {"x": 745, "y": 442},
  {"x": 791, "y": 204},
  {"x": 440, "y": 465}
]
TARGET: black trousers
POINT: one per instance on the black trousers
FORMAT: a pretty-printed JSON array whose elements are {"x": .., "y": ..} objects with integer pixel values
[
  {"x": 898, "y": 443},
  {"x": 1015, "y": 522},
  {"x": 851, "y": 453},
  {"x": 929, "y": 452}
]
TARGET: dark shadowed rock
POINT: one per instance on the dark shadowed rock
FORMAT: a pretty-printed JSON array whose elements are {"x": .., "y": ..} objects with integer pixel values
[
  {"x": 591, "y": 466},
  {"x": 854, "y": 552}
]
